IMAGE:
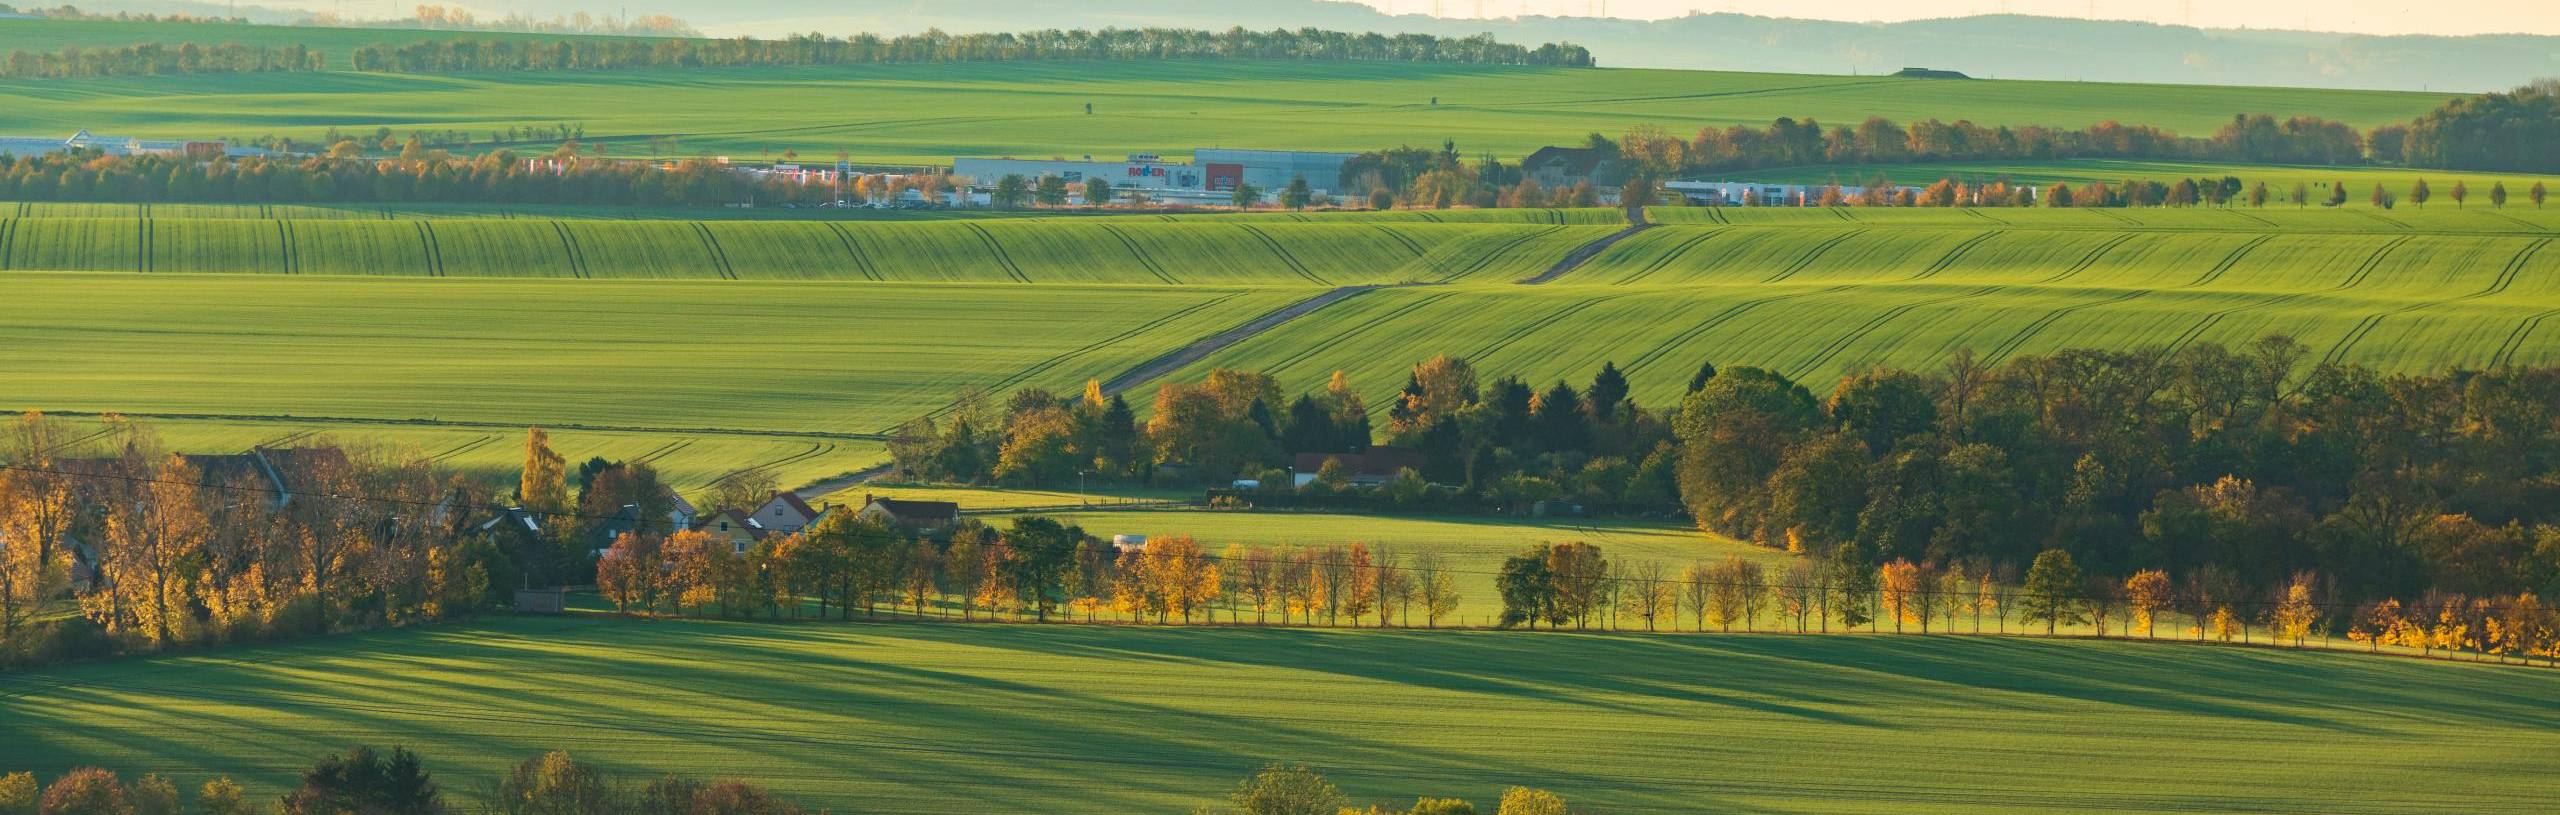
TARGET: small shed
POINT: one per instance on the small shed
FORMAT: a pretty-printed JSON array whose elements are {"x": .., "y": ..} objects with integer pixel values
[{"x": 542, "y": 601}]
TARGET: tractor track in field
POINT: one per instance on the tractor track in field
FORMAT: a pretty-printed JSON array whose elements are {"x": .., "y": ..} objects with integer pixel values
[
  {"x": 995, "y": 248},
  {"x": 1314, "y": 349},
  {"x": 2395, "y": 224},
  {"x": 2208, "y": 321},
  {"x": 861, "y": 263},
  {"x": 2518, "y": 221},
  {"x": 1834, "y": 349},
  {"x": 2255, "y": 219},
  {"x": 1407, "y": 240},
  {"x": 1486, "y": 260},
  {"x": 1524, "y": 330},
  {"x": 569, "y": 250},
  {"x": 2506, "y": 354},
  {"x": 1140, "y": 252},
  {"x": 2092, "y": 258},
  {"x": 711, "y": 247},
  {"x": 1673, "y": 256},
  {"x": 2020, "y": 339},
  {"x": 2231, "y": 260},
  {"x": 467, "y": 446},
  {"x": 1812, "y": 255},
  {"x": 815, "y": 450},
  {"x": 2515, "y": 265},
  {"x": 2371, "y": 262},
  {"x": 1582, "y": 255},
  {"x": 1285, "y": 258},
  {"x": 1044, "y": 366},
  {"x": 1200, "y": 349},
  {"x": 2119, "y": 219},
  {"x": 1986, "y": 216},
  {"x": 665, "y": 450},
  {"x": 2364, "y": 328},
  {"x": 1736, "y": 310},
  {"x": 9, "y": 241},
  {"x": 1949, "y": 259}
]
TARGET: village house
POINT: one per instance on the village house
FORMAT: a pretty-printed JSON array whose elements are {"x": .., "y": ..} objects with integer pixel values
[
  {"x": 1368, "y": 469},
  {"x": 1557, "y": 168},
  {"x": 734, "y": 527},
  {"x": 786, "y": 512},
  {"x": 910, "y": 514}
]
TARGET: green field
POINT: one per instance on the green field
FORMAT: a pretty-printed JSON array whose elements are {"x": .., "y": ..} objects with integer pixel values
[
  {"x": 1002, "y": 719},
  {"x": 927, "y": 114},
  {"x": 2279, "y": 178},
  {"x": 494, "y": 453},
  {"x": 847, "y": 329}
]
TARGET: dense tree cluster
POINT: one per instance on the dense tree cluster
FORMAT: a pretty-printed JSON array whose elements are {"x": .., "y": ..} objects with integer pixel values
[
  {"x": 169, "y": 554},
  {"x": 516, "y": 54},
  {"x": 159, "y": 59},
  {"x": 1499, "y": 444},
  {"x": 2204, "y": 463},
  {"x": 2516, "y": 130},
  {"x": 368, "y": 781}
]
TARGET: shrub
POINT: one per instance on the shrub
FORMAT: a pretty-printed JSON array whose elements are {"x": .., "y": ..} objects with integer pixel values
[{"x": 85, "y": 791}]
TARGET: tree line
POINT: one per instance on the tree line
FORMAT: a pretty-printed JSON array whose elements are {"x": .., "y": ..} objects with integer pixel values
[
  {"x": 415, "y": 174},
  {"x": 1502, "y": 444},
  {"x": 1118, "y": 44},
  {"x": 370, "y": 781},
  {"x": 159, "y": 59},
  {"x": 2247, "y": 460}
]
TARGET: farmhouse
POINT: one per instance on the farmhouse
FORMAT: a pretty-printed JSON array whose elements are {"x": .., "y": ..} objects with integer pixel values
[
  {"x": 1557, "y": 168},
  {"x": 911, "y": 514},
  {"x": 1210, "y": 177},
  {"x": 1368, "y": 469}
]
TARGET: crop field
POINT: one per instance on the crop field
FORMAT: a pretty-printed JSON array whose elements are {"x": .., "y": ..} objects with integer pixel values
[
  {"x": 2279, "y": 178},
  {"x": 669, "y": 329},
  {"x": 1186, "y": 252},
  {"x": 659, "y": 357},
  {"x": 1005, "y": 719},
  {"x": 927, "y": 114}
]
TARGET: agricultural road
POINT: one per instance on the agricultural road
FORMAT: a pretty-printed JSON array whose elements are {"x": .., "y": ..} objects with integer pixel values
[{"x": 1635, "y": 223}]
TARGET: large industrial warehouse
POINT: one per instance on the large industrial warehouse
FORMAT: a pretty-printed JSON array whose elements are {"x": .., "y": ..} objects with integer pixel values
[{"x": 1210, "y": 177}]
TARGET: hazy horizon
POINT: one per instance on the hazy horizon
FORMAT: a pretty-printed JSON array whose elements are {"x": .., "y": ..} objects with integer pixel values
[{"x": 2447, "y": 17}]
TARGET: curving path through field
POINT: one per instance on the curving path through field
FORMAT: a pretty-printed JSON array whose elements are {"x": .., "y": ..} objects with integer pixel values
[{"x": 1636, "y": 223}]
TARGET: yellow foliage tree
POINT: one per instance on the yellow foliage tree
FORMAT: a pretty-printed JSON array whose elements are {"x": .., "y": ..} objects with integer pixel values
[{"x": 2146, "y": 594}]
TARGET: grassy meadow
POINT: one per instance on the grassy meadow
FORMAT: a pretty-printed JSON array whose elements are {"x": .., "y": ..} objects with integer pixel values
[
  {"x": 495, "y": 454},
  {"x": 927, "y": 114},
  {"x": 1006, "y": 718}
]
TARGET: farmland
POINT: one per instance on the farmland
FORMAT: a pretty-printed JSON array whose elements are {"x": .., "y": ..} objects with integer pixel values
[
  {"x": 927, "y": 114},
  {"x": 675, "y": 329},
  {"x": 949, "y": 718}
]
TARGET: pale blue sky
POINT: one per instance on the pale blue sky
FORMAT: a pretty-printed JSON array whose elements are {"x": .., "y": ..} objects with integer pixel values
[{"x": 2363, "y": 16}]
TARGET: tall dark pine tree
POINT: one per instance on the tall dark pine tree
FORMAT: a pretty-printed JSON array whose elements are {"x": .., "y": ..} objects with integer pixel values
[
  {"x": 1698, "y": 381},
  {"x": 1607, "y": 391},
  {"x": 1560, "y": 421},
  {"x": 1509, "y": 401},
  {"x": 1119, "y": 434},
  {"x": 1311, "y": 429}
]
